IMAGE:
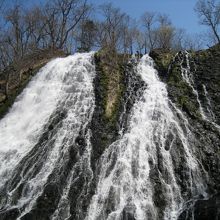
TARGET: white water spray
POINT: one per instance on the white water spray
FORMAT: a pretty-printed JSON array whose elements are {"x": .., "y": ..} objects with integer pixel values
[
  {"x": 64, "y": 84},
  {"x": 125, "y": 180},
  {"x": 187, "y": 76}
]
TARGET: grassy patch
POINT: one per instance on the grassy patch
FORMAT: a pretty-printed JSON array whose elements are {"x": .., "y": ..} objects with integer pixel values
[{"x": 110, "y": 68}]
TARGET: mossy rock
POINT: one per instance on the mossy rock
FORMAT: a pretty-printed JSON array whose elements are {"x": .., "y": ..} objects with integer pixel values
[
  {"x": 111, "y": 72},
  {"x": 178, "y": 89},
  {"x": 162, "y": 59}
]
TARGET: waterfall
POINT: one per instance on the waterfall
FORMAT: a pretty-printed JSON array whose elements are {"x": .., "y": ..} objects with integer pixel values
[
  {"x": 186, "y": 72},
  {"x": 40, "y": 133},
  {"x": 209, "y": 106},
  {"x": 139, "y": 177},
  {"x": 187, "y": 76},
  {"x": 211, "y": 117},
  {"x": 150, "y": 172}
]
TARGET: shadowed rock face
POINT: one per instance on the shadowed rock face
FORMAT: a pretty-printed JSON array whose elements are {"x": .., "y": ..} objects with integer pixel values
[
  {"x": 208, "y": 74},
  {"x": 203, "y": 210},
  {"x": 207, "y": 82},
  {"x": 198, "y": 97},
  {"x": 106, "y": 130}
]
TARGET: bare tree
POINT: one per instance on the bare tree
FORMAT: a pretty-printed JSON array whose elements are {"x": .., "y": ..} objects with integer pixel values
[
  {"x": 2, "y": 2},
  {"x": 193, "y": 41},
  {"x": 130, "y": 36},
  {"x": 17, "y": 31},
  {"x": 86, "y": 35},
  {"x": 100, "y": 37},
  {"x": 165, "y": 32},
  {"x": 112, "y": 26},
  {"x": 34, "y": 20},
  {"x": 6, "y": 56},
  {"x": 149, "y": 19},
  {"x": 159, "y": 31},
  {"x": 178, "y": 39},
  {"x": 209, "y": 15},
  {"x": 48, "y": 25},
  {"x": 140, "y": 37},
  {"x": 61, "y": 17}
]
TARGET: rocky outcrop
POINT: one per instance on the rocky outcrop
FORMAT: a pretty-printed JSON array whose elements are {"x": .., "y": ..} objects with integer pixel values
[
  {"x": 203, "y": 210},
  {"x": 116, "y": 88},
  {"x": 162, "y": 59},
  {"x": 198, "y": 98},
  {"x": 108, "y": 92},
  {"x": 207, "y": 77}
]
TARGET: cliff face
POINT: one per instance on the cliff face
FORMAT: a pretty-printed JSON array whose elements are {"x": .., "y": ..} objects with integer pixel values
[
  {"x": 116, "y": 87},
  {"x": 208, "y": 74},
  {"x": 204, "y": 68},
  {"x": 193, "y": 83}
]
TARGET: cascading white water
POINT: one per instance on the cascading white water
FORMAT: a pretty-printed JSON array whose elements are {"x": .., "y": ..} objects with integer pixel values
[
  {"x": 21, "y": 127},
  {"x": 187, "y": 76},
  {"x": 124, "y": 181},
  {"x": 209, "y": 106},
  {"x": 65, "y": 85},
  {"x": 211, "y": 117},
  {"x": 149, "y": 173}
]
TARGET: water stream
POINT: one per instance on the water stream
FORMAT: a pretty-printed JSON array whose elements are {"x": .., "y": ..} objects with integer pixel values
[{"x": 150, "y": 172}]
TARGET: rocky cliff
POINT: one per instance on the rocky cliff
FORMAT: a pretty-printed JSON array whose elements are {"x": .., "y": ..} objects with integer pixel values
[
  {"x": 193, "y": 83},
  {"x": 192, "y": 80}
]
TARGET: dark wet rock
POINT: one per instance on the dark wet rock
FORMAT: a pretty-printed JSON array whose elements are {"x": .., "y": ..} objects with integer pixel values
[
  {"x": 203, "y": 210},
  {"x": 205, "y": 136},
  {"x": 10, "y": 214},
  {"x": 162, "y": 59},
  {"x": 207, "y": 73},
  {"x": 159, "y": 196},
  {"x": 106, "y": 130},
  {"x": 45, "y": 205},
  {"x": 103, "y": 131},
  {"x": 128, "y": 212}
]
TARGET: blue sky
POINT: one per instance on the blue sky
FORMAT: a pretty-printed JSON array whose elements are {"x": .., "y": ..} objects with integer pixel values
[{"x": 181, "y": 12}]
